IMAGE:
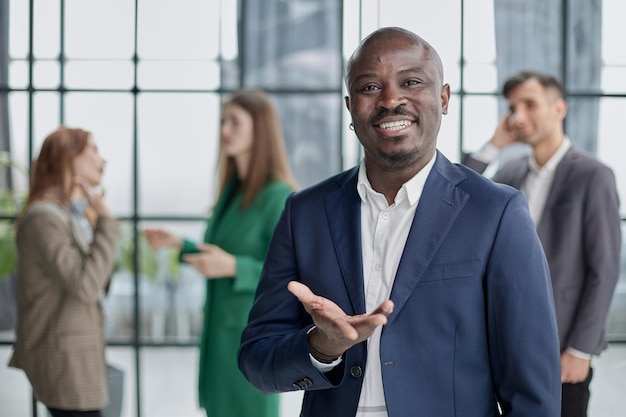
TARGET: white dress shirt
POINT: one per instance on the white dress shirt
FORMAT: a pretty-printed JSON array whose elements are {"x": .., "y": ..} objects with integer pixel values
[
  {"x": 384, "y": 230},
  {"x": 537, "y": 184}
]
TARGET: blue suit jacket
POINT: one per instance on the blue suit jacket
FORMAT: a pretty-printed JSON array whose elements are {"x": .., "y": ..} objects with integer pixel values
[{"x": 473, "y": 321}]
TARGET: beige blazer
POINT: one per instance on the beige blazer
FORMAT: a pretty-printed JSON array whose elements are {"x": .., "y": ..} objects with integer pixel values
[{"x": 60, "y": 325}]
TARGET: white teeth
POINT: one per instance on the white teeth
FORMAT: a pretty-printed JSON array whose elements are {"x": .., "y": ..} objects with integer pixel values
[{"x": 396, "y": 125}]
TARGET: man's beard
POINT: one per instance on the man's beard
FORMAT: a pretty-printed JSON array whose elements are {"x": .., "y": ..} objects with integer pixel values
[{"x": 399, "y": 159}]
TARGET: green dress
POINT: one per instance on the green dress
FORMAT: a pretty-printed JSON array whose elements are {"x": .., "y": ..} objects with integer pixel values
[{"x": 223, "y": 391}]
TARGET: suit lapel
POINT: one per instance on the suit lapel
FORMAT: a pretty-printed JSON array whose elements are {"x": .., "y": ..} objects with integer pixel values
[
  {"x": 343, "y": 211},
  {"x": 558, "y": 187},
  {"x": 440, "y": 204}
]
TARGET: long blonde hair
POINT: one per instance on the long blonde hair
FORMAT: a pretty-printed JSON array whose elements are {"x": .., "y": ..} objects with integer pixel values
[{"x": 269, "y": 158}]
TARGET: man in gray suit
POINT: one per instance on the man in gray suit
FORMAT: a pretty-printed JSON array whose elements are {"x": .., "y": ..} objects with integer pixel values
[{"x": 573, "y": 200}]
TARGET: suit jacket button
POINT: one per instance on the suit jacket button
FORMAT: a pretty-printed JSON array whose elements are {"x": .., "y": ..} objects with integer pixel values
[{"x": 356, "y": 371}]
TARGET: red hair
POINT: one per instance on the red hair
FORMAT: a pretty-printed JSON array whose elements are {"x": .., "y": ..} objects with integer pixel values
[{"x": 52, "y": 172}]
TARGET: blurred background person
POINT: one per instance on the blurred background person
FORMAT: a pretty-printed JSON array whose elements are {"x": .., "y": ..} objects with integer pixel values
[
  {"x": 254, "y": 183},
  {"x": 66, "y": 243},
  {"x": 574, "y": 203}
]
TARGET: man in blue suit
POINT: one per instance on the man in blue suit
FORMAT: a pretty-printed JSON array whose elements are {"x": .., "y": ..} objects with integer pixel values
[{"x": 408, "y": 285}]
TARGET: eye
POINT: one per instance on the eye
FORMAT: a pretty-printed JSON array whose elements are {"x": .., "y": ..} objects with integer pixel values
[
  {"x": 413, "y": 82},
  {"x": 369, "y": 87}
]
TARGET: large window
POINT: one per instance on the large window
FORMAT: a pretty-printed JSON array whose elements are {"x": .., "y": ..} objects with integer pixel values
[{"x": 147, "y": 78}]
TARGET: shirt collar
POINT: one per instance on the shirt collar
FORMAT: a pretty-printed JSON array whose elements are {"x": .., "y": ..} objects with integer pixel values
[
  {"x": 78, "y": 206},
  {"x": 413, "y": 187},
  {"x": 554, "y": 160}
]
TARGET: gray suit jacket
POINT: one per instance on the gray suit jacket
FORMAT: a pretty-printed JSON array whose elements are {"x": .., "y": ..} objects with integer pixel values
[
  {"x": 60, "y": 326},
  {"x": 580, "y": 230}
]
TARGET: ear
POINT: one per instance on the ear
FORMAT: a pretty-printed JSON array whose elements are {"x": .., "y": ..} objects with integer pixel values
[
  {"x": 347, "y": 101},
  {"x": 561, "y": 108},
  {"x": 445, "y": 98}
]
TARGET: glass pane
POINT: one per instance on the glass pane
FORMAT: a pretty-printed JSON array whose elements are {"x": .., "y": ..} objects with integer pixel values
[
  {"x": 184, "y": 29},
  {"x": 123, "y": 359},
  {"x": 46, "y": 74},
  {"x": 448, "y": 139},
  {"x": 169, "y": 382},
  {"x": 370, "y": 17},
  {"x": 230, "y": 33},
  {"x": 230, "y": 71},
  {"x": 46, "y": 117},
  {"x": 582, "y": 122},
  {"x": 119, "y": 305},
  {"x": 311, "y": 128},
  {"x": 99, "y": 29},
  {"x": 18, "y": 74},
  {"x": 584, "y": 45},
  {"x": 446, "y": 39},
  {"x": 171, "y": 293},
  {"x": 99, "y": 74},
  {"x": 616, "y": 322},
  {"x": 109, "y": 116},
  {"x": 351, "y": 25},
  {"x": 15, "y": 395},
  {"x": 479, "y": 36},
  {"x": 295, "y": 45},
  {"x": 18, "y": 29},
  {"x": 614, "y": 79},
  {"x": 178, "y": 144},
  {"x": 481, "y": 78},
  {"x": 611, "y": 146},
  {"x": 480, "y": 118},
  {"x": 18, "y": 110},
  {"x": 46, "y": 29},
  {"x": 182, "y": 75},
  {"x": 613, "y": 51}
]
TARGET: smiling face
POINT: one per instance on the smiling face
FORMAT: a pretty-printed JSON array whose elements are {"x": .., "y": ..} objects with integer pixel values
[
  {"x": 396, "y": 99},
  {"x": 88, "y": 164},
  {"x": 536, "y": 113}
]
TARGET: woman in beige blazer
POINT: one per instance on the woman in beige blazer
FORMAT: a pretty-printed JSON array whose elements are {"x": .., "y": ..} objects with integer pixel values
[{"x": 66, "y": 243}]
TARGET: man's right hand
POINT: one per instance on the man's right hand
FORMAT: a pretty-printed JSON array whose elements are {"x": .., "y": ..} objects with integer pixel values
[{"x": 336, "y": 331}]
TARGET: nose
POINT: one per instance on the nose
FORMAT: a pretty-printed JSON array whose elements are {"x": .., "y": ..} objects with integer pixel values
[
  {"x": 518, "y": 116},
  {"x": 224, "y": 129},
  {"x": 391, "y": 97}
]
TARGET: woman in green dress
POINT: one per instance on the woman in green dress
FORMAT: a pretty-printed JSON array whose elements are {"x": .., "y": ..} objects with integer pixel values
[{"x": 254, "y": 182}]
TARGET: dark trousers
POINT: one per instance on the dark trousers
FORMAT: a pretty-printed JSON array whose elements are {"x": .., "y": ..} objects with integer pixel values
[
  {"x": 70, "y": 413},
  {"x": 575, "y": 398}
]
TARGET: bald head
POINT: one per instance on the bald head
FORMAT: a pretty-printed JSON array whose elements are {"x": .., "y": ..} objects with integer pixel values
[{"x": 384, "y": 38}]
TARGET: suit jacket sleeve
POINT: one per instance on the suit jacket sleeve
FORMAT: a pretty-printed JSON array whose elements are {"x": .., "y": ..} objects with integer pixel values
[
  {"x": 602, "y": 245},
  {"x": 523, "y": 339},
  {"x": 274, "y": 350}
]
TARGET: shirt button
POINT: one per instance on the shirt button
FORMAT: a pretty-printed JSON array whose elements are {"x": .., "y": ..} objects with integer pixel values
[
  {"x": 356, "y": 371},
  {"x": 377, "y": 266},
  {"x": 385, "y": 215}
]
